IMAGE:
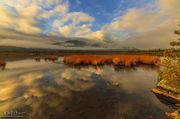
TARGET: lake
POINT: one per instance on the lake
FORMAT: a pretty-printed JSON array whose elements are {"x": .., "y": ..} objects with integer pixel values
[{"x": 46, "y": 90}]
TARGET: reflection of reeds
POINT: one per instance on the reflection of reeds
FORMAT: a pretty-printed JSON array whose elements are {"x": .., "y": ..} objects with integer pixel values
[
  {"x": 2, "y": 64},
  {"x": 122, "y": 60},
  {"x": 52, "y": 58}
]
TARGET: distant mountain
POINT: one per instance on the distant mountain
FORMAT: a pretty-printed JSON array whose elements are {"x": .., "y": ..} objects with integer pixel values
[
  {"x": 72, "y": 43},
  {"x": 80, "y": 43}
]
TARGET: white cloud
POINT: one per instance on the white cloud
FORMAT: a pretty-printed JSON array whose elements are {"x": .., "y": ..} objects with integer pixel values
[
  {"x": 59, "y": 10},
  {"x": 156, "y": 38},
  {"x": 136, "y": 19},
  {"x": 23, "y": 20},
  {"x": 141, "y": 24},
  {"x": 170, "y": 7},
  {"x": 97, "y": 35},
  {"x": 83, "y": 30},
  {"x": 6, "y": 18},
  {"x": 26, "y": 16},
  {"x": 27, "y": 26},
  {"x": 65, "y": 30},
  {"x": 74, "y": 18},
  {"x": 74, "y": 24}
]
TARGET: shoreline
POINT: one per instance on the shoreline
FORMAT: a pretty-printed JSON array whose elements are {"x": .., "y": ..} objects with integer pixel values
[
  {"x": 170, "y": 95},
  {"x": 171, "y": 98}
]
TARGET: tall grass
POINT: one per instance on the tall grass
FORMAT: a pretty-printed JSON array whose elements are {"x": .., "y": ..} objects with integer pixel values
[{"x": 123, "y": 60}]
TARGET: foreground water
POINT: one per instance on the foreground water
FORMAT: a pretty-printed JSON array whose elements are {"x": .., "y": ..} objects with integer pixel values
[{"x": 41, "y": 90}]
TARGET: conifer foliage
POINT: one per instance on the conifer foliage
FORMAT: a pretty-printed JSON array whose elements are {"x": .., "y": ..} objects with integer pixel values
[{"x": 170, "y": 64}]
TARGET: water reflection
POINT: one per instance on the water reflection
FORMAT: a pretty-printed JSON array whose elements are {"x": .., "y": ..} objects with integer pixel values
[
  {"x": 52, "y": 91},
  {"x": 116, "y": 67},
  {"x": 173, "y": 106}
]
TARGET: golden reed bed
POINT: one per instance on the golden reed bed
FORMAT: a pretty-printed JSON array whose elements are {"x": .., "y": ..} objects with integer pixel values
[{"x": 123, "y": 60}]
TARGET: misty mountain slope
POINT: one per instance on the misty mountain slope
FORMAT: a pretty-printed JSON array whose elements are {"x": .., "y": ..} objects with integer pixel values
[
  {"x": 151, "y": 40},
  {"x": 10, "y": 48},
  {"x": 17, "y": 39},
  {"x": 79, "y": 42}
]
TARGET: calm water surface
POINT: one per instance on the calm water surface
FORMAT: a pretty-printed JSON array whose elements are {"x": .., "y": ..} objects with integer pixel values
[{"x": 40, "y": 90}]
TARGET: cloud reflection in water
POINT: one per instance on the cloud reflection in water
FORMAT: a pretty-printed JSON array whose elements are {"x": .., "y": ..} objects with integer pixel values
[{"x": 56, "y": 91}]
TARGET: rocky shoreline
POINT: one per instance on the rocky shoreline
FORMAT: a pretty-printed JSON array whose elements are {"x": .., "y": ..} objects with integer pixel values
[
  {"x": 168, "y": 94},
  {"x": 174, "y": 115},
  {"x": 171, "y": 97}
]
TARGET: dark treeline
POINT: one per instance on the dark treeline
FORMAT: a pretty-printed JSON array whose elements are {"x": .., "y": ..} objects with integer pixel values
[
  {"x": 15, "y": 52},
  {"x": 69, "y": 52}
]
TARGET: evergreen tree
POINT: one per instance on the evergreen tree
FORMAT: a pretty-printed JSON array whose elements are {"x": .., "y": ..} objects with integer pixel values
[{"x": 170, "y": 64}]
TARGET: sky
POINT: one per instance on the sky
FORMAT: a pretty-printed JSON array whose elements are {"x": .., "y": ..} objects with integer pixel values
[
  {"x": 106, "y": 10},
  {"x": 127, "y": 21}
]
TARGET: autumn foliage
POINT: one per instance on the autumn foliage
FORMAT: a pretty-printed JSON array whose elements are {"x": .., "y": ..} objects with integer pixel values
[{"x": 124, "y": 60}]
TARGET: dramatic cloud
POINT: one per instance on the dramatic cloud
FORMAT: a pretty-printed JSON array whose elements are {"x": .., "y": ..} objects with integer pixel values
[
  {"x": 20, "y": 19},
  {"x": 170, "y": 7},
  {"x": 55, "y": 17},
  {"x": 73, "y": 24},
  {"x": 26, "y": 15},
  {"x": 157, "y": 38},
  {"x": 143, "y": 27},
  {"x": 5, "y": 17},
  {"x": 136, "y": 20}
]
